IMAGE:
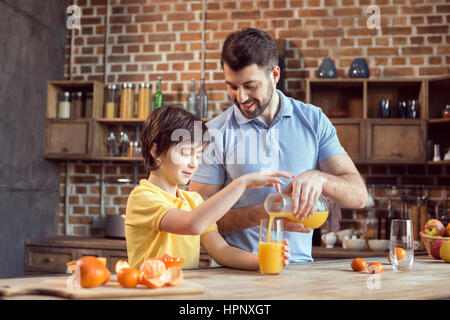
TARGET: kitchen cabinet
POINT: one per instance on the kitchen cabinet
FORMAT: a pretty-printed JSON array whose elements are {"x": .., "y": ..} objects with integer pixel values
[
  {"x": 74, "y": 138},
  {"x": 49, "y": 255},
  {"x": 353, "y": 106},
  {"x": 438, "y": 127},
  {"x": 396, "y": 141},
  {"x": 352, "y": 133}
]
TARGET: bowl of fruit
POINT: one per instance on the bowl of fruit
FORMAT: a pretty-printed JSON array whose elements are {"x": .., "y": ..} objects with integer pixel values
[{"x": 436, "y": 239}]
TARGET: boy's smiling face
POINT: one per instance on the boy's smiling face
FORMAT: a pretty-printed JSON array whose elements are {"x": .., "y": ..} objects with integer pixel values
[{"x": 180, "y": 162}]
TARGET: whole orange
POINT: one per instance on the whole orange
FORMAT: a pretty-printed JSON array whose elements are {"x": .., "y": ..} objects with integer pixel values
[
  {"x": 447, "y": 230},
  {"x": 359, "y": 264},
  {"x": 128, "y": 277},
  {"x": 375, "y": 267},
  {"x": 92, "y": 272}
]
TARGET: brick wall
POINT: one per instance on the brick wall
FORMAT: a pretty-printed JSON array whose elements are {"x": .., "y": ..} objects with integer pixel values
[{"x": 151, "y": 38}]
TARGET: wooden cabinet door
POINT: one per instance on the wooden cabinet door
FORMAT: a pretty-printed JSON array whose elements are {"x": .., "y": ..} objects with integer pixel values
[
  {"x": 45, "y": 260},
  {"x": 67, "y": 138},
  {"x": 351, "y": 134},
  {"x": 396, "y": 141}
]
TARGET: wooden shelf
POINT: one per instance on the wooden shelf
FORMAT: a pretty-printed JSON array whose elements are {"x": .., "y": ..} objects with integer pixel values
[
  {"x": 132, "y": 121},
  {"x": 442, "y": 120},
  {"x": 438, "y": 162},
  {"x": 120, "y": 159}
]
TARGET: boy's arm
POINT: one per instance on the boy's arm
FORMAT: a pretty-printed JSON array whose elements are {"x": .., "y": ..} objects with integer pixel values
[
  {"x": 200, "y": 218},
  {"x": 227, "y": 256}
]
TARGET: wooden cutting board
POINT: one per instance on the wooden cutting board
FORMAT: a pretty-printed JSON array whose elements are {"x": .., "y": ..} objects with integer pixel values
[{"x": 57, "y": 286}]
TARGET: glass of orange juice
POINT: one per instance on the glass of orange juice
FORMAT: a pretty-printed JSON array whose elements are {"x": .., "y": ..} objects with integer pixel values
[{"x": 270, "y": 247}]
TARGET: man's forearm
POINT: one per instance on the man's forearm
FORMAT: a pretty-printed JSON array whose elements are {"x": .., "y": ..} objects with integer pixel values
[
  {"x": 348, "y": 190},
  {"x": 241, "y": 218}
]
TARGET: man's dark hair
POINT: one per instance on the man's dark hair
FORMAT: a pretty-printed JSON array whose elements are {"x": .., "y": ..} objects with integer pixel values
[
  {"x": 159, "y": 127},
  {"x": 249, "y": 46}
]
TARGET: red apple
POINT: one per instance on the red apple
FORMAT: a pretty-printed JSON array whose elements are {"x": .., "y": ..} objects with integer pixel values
[
  {"x": 447, "y": 230},
  {"x": 434, "y": 227},
  {"x": 435, "y": 247}
]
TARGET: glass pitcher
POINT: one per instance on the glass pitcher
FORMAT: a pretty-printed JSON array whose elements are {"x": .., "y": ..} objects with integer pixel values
[{"x": 280, "y": 205}]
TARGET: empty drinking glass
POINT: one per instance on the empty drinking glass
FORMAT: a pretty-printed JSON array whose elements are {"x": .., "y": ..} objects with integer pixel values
[
  {"x": 401, "y": 248},
  {"x": 111, "y": 144},
  {"x": 402, "y": 109},
  {"x": 412, "y": 109}
]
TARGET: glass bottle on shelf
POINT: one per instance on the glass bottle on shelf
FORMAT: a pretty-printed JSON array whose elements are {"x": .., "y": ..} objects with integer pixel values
[
  {"x": 111, "y": 101},
  {"x": 64, "y": 105},
  {"x": 202, "y": 100},
  {"x": 144, "y": 100},
  {"x": 191, "y": 102},
  {"x": 77, "y": 110},
  {"x": 158, "y": 98},
  {"x": 127, "y": 101}
]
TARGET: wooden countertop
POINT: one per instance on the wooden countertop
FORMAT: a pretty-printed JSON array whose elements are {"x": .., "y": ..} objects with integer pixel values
[
  {"x": 318, "y": 253},
  {"x": 332, "y": 279}
]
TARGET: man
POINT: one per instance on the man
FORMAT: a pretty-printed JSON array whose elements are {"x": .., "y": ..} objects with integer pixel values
[{"x": 292, "y": 135}]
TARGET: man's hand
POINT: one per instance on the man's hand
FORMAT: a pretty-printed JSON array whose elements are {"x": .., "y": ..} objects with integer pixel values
[
  {"x": 292, "y": 226},
  {"x": 305, "y": 190}
]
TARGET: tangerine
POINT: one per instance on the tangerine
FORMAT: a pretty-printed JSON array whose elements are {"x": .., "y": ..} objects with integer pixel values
[
  {"x": 173, "y": 276},
  {"x": 359, "y": 264},
  {"x": 128, "y": 277},
  {"x": 153, "y": 268},
  {"x": 149, "y": 282},
  {"x": 375, "y": 267},
  {"x": 92, "y": 272}
]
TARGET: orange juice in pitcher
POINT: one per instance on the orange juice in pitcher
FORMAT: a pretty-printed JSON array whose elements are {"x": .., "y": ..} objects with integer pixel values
[{"x": 279, "y": 205}]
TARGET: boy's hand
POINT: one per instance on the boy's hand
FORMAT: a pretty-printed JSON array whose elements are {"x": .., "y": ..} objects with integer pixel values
[
  {"x": 286, "y": 252},
  {"x": 265, "y": 179}
]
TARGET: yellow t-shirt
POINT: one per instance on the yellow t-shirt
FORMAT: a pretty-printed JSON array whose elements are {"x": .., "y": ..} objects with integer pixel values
[{"x": 146, "y": 206}]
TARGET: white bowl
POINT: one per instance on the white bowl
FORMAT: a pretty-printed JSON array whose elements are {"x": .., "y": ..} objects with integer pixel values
[
  {"x": 379, "y": 245},
  {"x": 342, "y": 234},
  {"x": 354, "y": 244}
]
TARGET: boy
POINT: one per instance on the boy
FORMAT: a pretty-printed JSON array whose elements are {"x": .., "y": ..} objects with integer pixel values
[{"x": 161, "y": 218}]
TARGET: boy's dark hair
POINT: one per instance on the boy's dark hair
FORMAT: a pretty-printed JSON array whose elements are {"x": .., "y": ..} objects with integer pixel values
[
  {"x": 249, "y": 46},
  {"x": 159, "y": 127}
]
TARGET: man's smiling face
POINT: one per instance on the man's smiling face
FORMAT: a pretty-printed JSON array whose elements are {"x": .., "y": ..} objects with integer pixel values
[{"x": 249, "y": 88}]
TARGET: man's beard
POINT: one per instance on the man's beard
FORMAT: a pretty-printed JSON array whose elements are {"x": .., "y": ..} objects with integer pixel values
[{"x": 260, "y": 106}]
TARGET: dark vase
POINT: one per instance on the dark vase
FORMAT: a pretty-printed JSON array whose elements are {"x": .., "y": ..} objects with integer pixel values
[
  {"x": 359, "y": 69},
  {"x": 327, "y": 69}
]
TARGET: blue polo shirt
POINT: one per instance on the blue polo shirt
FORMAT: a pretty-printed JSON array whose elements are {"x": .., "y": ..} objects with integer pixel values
[{"x": 297, "y": 140}]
